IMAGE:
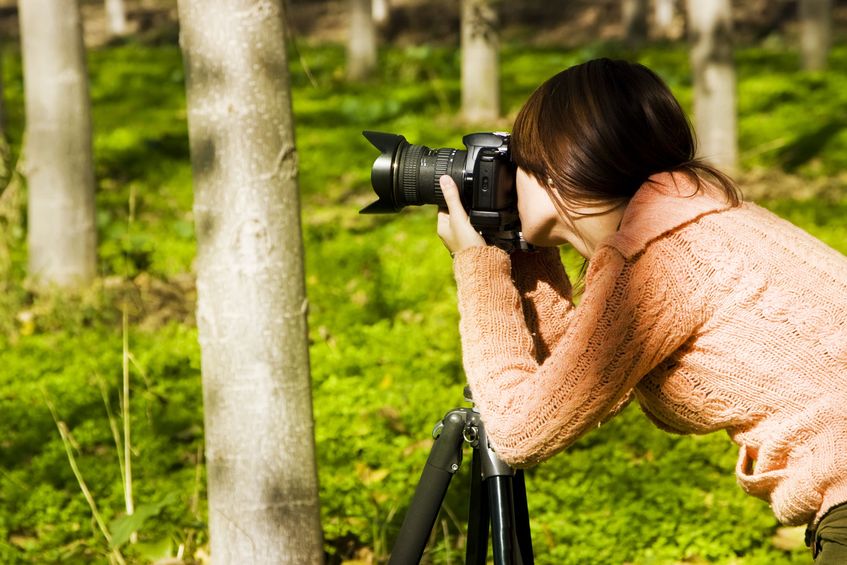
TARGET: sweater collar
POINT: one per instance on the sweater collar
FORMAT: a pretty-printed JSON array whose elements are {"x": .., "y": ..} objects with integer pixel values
[{"x": 665, "y": 202}]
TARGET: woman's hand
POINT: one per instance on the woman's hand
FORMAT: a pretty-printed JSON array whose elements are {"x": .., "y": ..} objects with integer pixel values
[{"x": 454, "y": 226}]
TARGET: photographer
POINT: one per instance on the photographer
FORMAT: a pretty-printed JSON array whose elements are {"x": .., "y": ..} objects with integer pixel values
[{"x": 714, "y": 313}]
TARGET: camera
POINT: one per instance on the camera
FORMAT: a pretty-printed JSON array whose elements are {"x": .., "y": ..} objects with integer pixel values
[{"x": 406, "y": 174}]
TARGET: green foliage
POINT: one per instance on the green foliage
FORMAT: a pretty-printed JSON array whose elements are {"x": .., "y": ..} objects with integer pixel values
[
  {"x": 122, "y": 528},
  {"x": 384, "y": 345},
  {"x": 44, "y": 515}
]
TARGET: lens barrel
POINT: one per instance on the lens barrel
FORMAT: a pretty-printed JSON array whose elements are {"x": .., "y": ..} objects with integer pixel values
[
  {"x": 422, "y": 167},
  {"x": 407, "y": 175}
]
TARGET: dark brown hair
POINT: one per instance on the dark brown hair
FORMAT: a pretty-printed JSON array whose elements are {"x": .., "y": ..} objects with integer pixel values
[{"x": 597, "y": 131}]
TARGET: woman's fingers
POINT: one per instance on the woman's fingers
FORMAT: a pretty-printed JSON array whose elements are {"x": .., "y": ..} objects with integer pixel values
[
  {"x": 444, "y": 230},
  {"x": 454, "y": 226},
  {"x": 451, "y": 196}
]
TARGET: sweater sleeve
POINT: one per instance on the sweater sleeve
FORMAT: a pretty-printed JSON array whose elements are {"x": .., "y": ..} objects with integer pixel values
[
  {"x": 631, "y": 317},
  {"x": 546, "y": 296}
]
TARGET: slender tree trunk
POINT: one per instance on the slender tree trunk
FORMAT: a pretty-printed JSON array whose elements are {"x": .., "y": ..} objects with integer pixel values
[
  {"x": 380, "y": 12},
  {"x": 663, "y": 13},
  {"x": 5, "y": 153},
  {"x": 634, "y": 15},
  {"x": 361, "y": 41},
  {"x": 116, "y": 15},
  {"x": 60, "y": 172},
  {"x": 480, "y": 61},
  {"x": 251, "y": 309},
  {"x": 2, "y": 95},
  {"x": 815, "y": 33},
  {"x": 712, "y": 63}
]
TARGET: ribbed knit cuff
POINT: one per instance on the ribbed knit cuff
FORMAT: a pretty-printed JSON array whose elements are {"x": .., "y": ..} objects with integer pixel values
[{"x": 480, "y": 260}]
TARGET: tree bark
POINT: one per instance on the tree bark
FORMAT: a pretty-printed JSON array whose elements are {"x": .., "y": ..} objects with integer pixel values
[
  {"x": 2, "y": 96},
  {"x": 361, "y": 41},
  {"x": 116, "y": 14},
  {"x": 480, "y": 61},
  {"x": 380, "y": 10},
  {"x": 663, "y": 14},
  {"x": 710, "y": 28},
  {"x": 634, "y": 20},
  {"x": 251, "y": 309},
  {"x": 815, "y": 33},
  {"x": 60, "y": 172}
]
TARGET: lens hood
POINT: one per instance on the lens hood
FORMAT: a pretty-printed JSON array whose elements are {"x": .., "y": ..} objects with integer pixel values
[{"x": 384, "y": 171}]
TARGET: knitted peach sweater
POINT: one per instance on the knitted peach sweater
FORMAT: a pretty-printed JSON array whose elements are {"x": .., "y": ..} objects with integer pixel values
[{"x": 714, "y": 317}]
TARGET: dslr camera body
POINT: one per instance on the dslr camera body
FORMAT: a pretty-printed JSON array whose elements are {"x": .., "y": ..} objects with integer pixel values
[{"x": 407, "y": 175}]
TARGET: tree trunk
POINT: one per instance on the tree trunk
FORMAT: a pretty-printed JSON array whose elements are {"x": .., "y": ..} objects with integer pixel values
[
  {"x": 60, "y": 171},
  {"x": 361, "y": 41},
  {"x": 816, "y": 33},
  {"x": 634, "y": 16},
  {"x": 116, "y": 15},
  {"x": 710, "y": 28},
  {"x": 251, "y": 308},
  {"x": 663, "y": 13},
  {"x": 2, "y": 96},
  {"x": 5, "y": 150},
  {"x": 480, "y": 61},
  {"x": 380, "y": 10}
]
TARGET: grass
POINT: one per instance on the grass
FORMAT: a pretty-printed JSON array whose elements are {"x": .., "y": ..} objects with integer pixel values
[{"x": 384, "y": 344}]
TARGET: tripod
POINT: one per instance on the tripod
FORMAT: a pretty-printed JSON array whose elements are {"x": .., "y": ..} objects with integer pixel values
[{"x": 498, "y": 494}]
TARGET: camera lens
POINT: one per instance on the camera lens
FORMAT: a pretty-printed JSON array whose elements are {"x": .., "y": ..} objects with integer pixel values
[
  {"x": 420, "y": 169},
  {"x": 407, "y": 175}
]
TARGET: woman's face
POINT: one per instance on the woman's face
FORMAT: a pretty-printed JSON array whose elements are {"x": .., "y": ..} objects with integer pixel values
[
  {"x": 584, "y": 227},
  {"x": 540, "y": 220}
]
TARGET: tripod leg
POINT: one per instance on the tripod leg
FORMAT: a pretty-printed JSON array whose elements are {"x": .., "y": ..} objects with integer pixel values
[
  {"x": 503, "y": 538},
  {"x": 444, "y": 460},
  {"x": 522, "y": 519},
  {"x": 499, "y": 479},
  {"x": 476, "y": 551}
]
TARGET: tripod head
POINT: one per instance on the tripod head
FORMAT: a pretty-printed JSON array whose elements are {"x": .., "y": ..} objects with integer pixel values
[{"x": 498, "y": 495}]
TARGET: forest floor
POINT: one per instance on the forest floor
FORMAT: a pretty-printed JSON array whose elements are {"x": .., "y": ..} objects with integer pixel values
[{"x": 384, "y": 346}]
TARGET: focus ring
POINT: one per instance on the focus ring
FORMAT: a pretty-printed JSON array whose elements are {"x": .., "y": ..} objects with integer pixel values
[
  {"x": 443, "y": 158},
  {"x": 409, "y": 174}
]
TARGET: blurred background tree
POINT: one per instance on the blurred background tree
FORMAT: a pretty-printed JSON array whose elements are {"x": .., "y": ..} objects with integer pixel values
[
  {"x": 362, "y": 41},
  {"x": 480, "y": 61},
  {"x": 381, "y": 12},
  {"x": 116, "y": 13},
  {"x": 634, "y": 16},
  {"x": 816, "y": 32},
  {"x": 713, "y": 66},
  {"x": 663, "y": 18},
  {"x": 59, "y": 163}
]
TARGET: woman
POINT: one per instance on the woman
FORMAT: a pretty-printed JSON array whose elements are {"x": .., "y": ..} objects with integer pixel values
[{"x": 715, "y": 314}]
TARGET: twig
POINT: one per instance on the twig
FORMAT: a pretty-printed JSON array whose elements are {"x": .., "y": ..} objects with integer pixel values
[
  {"x": 292, "y": 35},
  {"x": 772, "y": 145},
  {"x": 113, "y": 424},
  {"x": 198, "y": 472},
  {"x": 447, "y": 549},
  {"x": 130, "y": 507},
  {"x": 66, "y": 442}
]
